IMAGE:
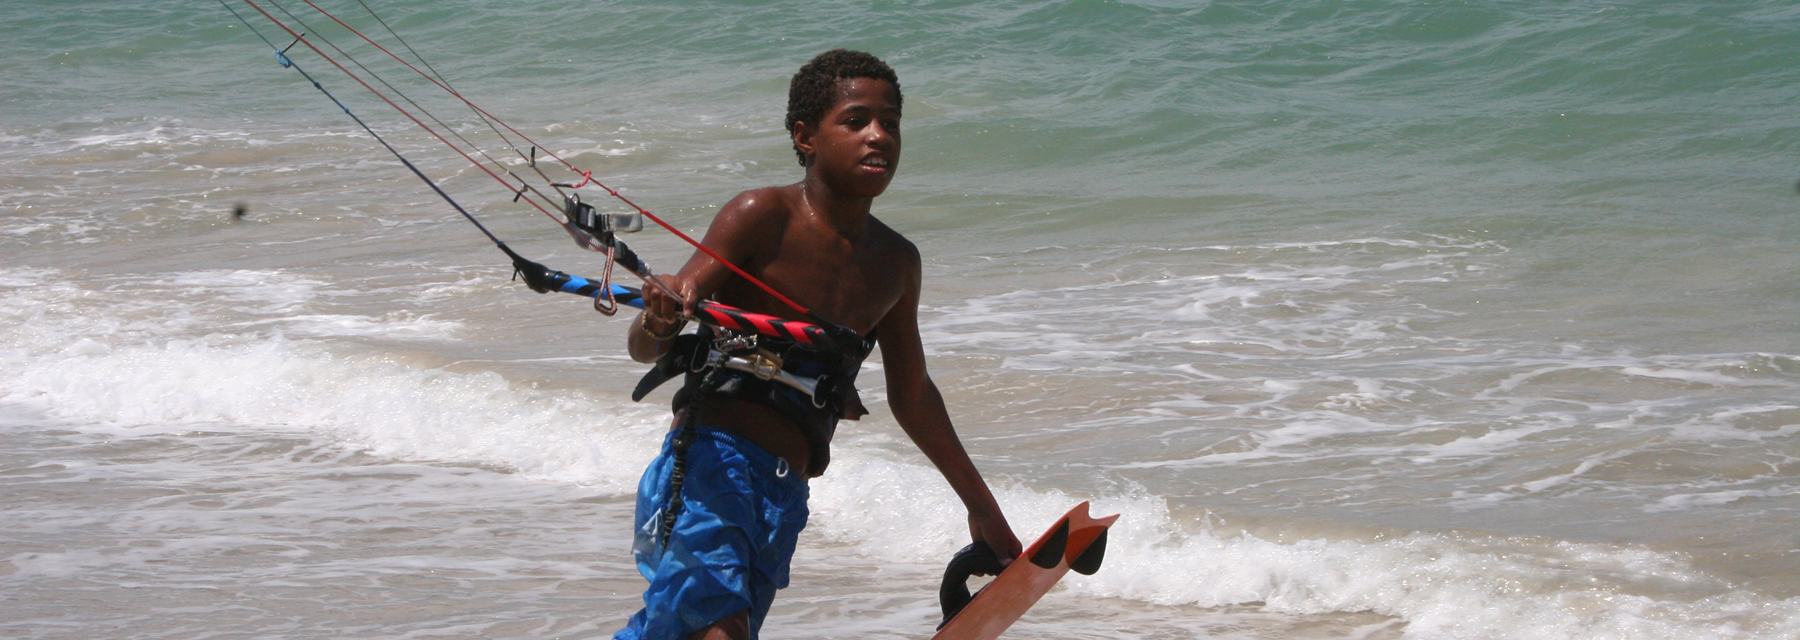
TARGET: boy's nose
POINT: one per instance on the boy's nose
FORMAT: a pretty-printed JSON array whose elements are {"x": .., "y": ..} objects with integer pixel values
[{"x": 879, "y": 135}]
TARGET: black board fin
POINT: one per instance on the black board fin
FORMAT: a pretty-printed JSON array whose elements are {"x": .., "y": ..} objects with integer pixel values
[
  {"x": 1051, "y": 554},
  {"x": 1089, "y": 560}
]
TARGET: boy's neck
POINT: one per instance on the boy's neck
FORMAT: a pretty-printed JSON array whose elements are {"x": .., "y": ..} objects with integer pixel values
[{"x": 849, "y": 215}]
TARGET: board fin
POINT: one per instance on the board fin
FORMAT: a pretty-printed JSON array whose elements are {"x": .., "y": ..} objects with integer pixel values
[
  {"x": 1050, "y": 552},
  {"x": 1089, "y": 561}
]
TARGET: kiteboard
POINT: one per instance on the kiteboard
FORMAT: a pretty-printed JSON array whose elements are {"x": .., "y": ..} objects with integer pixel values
[{"x": 1077, "y": 541}]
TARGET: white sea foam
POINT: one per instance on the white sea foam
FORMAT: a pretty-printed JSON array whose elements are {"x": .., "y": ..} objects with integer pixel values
[
  {"x": 152, "y": 378},
  {"x": 1308, "y": 305},
  {"x": 388, "y": 408},
  {"x": 613, "y": 149},
  {"x": 158, "y": 135},
  {"x": 880, "y": 501},
  {"x": 1684, "y": 375},
  {"x": 1685, "y": 501},
  {"x": 263, "y": 292},
  {"x": 393, "y": 327},
  {"x": 1442, "y": 586}
]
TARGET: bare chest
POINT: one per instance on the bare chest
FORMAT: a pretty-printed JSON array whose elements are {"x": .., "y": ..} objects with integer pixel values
[{"x": 850, "y": 283}]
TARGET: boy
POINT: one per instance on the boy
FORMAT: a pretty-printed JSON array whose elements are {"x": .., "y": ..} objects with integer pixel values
[{"x": 719, "y": 510}]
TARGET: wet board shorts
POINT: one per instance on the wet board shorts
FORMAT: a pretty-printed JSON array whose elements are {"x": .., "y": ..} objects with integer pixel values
[{"x": 741, "y": 511}]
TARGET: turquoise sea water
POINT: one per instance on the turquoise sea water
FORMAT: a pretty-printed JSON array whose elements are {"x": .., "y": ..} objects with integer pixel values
[{"x": 1379, "y": 319}]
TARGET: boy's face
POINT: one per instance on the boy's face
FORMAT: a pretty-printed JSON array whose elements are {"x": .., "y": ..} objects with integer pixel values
[{"x": 855, "y": 147}]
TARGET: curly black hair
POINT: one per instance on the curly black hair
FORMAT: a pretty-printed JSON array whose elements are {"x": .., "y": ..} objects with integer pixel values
[{"x": 814, "y": 87}]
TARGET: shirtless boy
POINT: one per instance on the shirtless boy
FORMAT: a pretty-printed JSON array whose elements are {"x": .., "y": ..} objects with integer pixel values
[{"x": 720, "y": 508}]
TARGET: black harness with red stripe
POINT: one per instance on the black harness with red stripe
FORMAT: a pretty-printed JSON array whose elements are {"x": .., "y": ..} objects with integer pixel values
[{"x": 813, "y": 385}]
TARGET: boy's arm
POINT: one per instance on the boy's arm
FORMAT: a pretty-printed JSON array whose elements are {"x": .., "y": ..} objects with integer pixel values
[
  {"x": 919, "y": 408},
  {"x": 741, "y": 226}
]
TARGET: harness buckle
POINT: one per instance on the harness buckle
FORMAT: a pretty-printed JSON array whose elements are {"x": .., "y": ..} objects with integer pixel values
[
  {"x": 735, "y": 342},
  {"x": 764, "y": 365}
]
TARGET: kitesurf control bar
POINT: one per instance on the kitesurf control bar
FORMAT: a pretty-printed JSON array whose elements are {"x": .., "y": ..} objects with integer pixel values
[{"x": 543, "y": 280}]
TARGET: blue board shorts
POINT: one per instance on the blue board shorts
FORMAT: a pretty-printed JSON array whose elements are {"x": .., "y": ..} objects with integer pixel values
[{"x": 741, "y": 512}]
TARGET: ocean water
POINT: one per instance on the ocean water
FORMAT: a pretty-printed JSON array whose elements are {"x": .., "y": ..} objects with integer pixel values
[{"x": 1374, "y": 320}]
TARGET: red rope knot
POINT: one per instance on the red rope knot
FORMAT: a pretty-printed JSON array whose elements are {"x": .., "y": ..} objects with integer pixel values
[{"x": 586, "y": 177}]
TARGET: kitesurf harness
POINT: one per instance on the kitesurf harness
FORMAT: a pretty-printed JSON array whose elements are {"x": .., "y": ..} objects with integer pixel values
[{"x": 811, "y": 387}]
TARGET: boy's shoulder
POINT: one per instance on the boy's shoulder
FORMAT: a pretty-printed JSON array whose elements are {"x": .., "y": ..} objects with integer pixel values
[
  {"x": 769, "y": 211},
  {"x": 752, "y": 218},
  {"x": 759, "y": 206}
]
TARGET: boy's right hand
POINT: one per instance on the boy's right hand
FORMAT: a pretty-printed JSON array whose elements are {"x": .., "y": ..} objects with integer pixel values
[{"x": 668, "y": 302}]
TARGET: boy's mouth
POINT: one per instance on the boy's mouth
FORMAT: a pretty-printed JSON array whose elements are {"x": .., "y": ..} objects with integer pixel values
[{"x": 876, "y": 165}]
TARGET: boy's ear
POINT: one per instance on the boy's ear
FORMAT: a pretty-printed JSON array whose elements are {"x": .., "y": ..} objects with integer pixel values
[{"x": 803, "y": 134}]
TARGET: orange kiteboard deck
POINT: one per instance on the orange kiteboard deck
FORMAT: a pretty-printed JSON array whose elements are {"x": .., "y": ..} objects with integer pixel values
[{"x": 1077, "y": 541}]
